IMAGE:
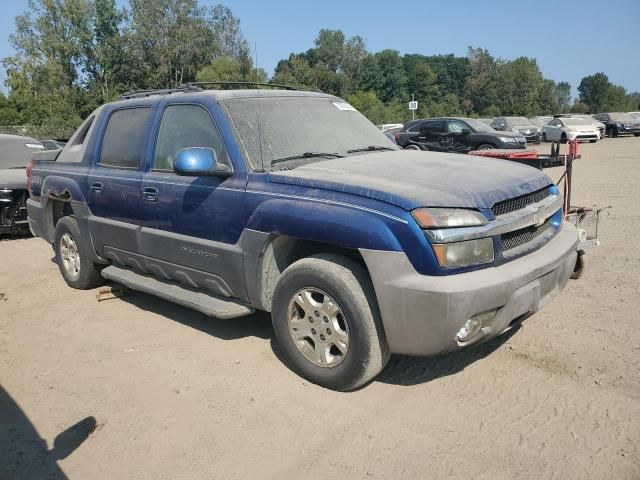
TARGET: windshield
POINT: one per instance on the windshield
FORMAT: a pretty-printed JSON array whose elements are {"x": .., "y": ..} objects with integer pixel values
[
  {"x": 517, "y": 121},
  {"x": 622, "y": 117},
  {"x": 16, "y": 151},
  {"x": 576, "y": 121},
  {"x": 478, "y": 126},
  {"x": 275, "y": 128}
]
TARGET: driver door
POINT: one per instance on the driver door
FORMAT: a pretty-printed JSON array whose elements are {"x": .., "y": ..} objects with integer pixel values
[
  {"x": 432, "y": 135},
  {"x": 458, "y": 137},
  {"x": 187, "y": 220}
]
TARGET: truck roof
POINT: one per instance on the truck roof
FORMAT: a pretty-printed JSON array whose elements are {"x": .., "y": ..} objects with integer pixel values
[{"x": 224, "y": 94}]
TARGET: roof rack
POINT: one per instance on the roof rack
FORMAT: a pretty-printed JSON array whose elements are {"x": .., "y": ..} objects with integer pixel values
[
  {"x": 197, "y": 87},
  {"x": 161, "y": 91},
  {"x": 242, "y": 84}
]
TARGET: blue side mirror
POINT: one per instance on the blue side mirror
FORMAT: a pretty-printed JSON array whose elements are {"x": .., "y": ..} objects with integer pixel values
[{"x": 199, "y": 161}]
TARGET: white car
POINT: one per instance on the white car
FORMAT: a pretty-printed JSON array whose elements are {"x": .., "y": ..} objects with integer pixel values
[
  {"x": 570, "y": 128},
  {"x": 540, "y": 121},
  {"x": 635, "y": 114},
  {"x": 602, "y": 128}
]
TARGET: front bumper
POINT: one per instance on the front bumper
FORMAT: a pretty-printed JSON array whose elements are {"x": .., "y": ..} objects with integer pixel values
[
  {"x": 628, "y": 130},
  {"x": 13, "y": 212},
  {"x": 423, "y": 314},
  {"x": 533, "y": 137}
]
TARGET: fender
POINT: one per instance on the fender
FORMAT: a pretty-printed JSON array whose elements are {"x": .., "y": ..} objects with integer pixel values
[
  {"x": 63, "y": 189},
  {"x": 332, "y": 223}
]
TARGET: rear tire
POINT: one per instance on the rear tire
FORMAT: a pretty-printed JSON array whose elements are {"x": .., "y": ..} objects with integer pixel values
[
  {"x": 327, "y": 323},
  {"x": 485, "y": 146},
  {"x": 74, "y": 256},
  {"x": 563, "y": 138},
  {"x": 544, "y": 137},
  {"x": 412, "y": 147},
  {"x": 613, "y": 133}
]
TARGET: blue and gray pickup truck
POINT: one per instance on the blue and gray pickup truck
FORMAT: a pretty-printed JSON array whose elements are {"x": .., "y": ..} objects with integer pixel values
[{"x": 292, "y": 202}]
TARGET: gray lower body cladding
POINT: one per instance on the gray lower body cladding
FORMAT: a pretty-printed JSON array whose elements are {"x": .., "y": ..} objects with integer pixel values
[{"x": 422, "y": 314}]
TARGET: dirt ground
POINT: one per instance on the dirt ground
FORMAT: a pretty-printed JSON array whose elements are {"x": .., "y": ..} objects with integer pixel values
[{"x": 141, "y": 388}]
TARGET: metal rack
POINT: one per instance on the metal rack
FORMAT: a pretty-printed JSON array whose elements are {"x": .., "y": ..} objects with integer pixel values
[{"x": 198, "y": 87}]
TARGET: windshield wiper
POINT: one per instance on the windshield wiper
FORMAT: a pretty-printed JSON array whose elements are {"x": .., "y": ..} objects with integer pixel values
[
  {"x": 370, "y": 148},
  {"x": 307, "y": 155}
]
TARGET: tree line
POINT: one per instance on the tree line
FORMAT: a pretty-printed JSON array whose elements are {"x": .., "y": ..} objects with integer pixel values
[{"x": 73, "y": 55}]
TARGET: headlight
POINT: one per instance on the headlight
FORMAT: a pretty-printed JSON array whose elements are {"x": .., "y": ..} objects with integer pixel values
[
  {"x": 507, "y": 139},
  {"x": 448, "y": 217},
  {"x": 464, "y": 254}
]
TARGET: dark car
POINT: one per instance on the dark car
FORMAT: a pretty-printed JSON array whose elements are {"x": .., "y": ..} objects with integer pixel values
[
  {"x": 455, "y": 135},
  {"x": 15, "y": 153},
  {"x": 519, "y": 125},
  {"x": 618, "y": 123}
]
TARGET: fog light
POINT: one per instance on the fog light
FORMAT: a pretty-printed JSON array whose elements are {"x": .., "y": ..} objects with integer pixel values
[{"x": 472, "y": 326}]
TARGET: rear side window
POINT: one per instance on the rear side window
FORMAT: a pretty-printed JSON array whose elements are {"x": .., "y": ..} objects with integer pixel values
[
  {"x": 433, "y": 126},
  {"x": 124, "y": 139},
  {"x": 184, "y": 126}
]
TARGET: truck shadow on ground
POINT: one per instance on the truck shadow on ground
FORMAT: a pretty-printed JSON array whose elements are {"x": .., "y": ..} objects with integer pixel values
[
  {"x": 255, "y": 325},
  {"x": 407, "y": 371},
  {"x": 401, "y": 370},
  {"x": 24, "y": 454}
]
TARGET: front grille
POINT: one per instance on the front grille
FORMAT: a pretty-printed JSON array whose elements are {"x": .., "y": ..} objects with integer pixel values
[
  {"x": 518, "y": 203},
  {"x": 516, "y": 238}
]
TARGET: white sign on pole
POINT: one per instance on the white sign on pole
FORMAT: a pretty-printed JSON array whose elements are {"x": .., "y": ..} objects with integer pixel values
[{"x": 413, "y": 105}]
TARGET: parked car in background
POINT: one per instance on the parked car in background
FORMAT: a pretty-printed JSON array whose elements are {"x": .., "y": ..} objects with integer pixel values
[
  {"x": 390, "y": 126},
  {"x": 635, "y": 114},
  {"x": 569, "y": 128},
  {"x": 540, "y": 121},
  {"x": 15, "y": 153},
  {"x": 521, "y": 125},
  {"x": 52, "y": 144},
  {"x": 357, "y": 248},
  {"x": 391, "y": 133},
  {"x": 455, "y": 135},
  {"x": 619, "y": 123},
  {"x": 602, "y": 128}
]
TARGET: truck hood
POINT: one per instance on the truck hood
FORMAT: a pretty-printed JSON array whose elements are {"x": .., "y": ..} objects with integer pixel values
[
  {"x": 411, "y": 179},
  {"x": 13, "y": 179}
]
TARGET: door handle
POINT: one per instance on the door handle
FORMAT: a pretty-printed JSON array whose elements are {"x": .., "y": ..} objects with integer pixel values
[
  {"x": 150, "y": 194},
  {"x": 96, "y": 187}
]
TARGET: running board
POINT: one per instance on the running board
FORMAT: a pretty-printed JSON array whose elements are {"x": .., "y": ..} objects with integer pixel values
[{"x": 197, "y": 300}]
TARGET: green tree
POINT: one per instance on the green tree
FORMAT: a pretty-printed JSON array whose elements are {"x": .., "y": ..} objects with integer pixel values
[
  {"x": 370, "y": 106},
  {"x": 394, "y": 79},
  {"x": 594, "y": 91},
  {"x": 480, "y": 84},
  {"x": 563, "y": 96}
]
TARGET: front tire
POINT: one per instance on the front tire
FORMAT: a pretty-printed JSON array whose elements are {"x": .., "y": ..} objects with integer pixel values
[
  {"x": 486, "y": 146},
  {"x": 327, "y": 323},
  {"x": 613, "y": 133},
  {"x": 544, "y": 137},
  {"x": 74, "y": 256},
  {"x": 412, "y": 147}
]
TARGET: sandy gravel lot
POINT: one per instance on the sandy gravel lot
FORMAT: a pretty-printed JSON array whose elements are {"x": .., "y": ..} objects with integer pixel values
[{"x": 160, "y": 391}]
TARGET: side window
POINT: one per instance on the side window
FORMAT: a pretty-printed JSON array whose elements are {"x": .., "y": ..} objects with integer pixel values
[
  {"x": 185, "y": 126},
  {"x": 416, "y": 128},
  {"x": 431, "y": 127},
  {"x": 456, "y": 126},
  {"x": 124, "y": 138}
]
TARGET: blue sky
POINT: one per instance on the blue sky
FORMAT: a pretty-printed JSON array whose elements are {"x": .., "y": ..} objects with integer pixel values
[{"x": 569, "y": 38}]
